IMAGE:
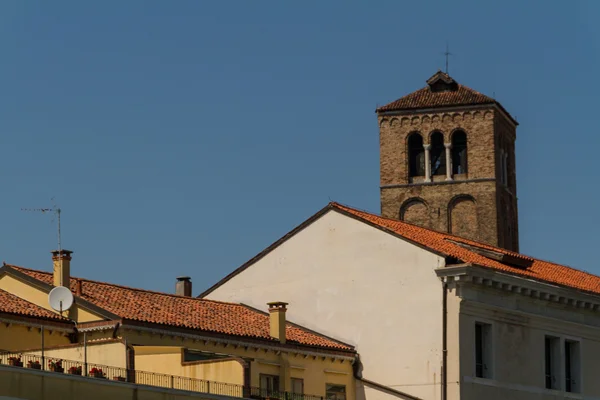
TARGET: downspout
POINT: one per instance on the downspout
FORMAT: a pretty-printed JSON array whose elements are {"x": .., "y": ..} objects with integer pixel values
[{"x": 444, "y": 340}]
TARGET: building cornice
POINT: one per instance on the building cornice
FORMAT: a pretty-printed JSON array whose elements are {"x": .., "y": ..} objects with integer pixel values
[
  {"x": 437, "y": 183},
  {"x": 443, "y": 109},
  {"x": 39, "y": 325},
  {"x": 477, "y": 275}
]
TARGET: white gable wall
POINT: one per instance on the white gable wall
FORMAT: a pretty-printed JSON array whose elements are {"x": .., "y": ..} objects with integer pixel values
[{"x": 355, "y": 283}]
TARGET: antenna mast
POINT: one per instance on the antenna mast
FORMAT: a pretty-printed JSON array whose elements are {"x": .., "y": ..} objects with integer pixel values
[{"x": 56, "y": 210}]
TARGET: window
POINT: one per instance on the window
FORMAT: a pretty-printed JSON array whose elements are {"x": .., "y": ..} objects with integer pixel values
[
  {"x": 416, "y": 155},
  {"x": 459, "y": 152},
  {"x": 335, "y": 392},
  {"x": 297, "y": 386},
  {"x": 572, "y": 361},
  {"x": 438, "y": 154},
  {"x": 269, "y": 384},
  {"x": 483, "y": 350},
  {"x": 552, "y": 357}
]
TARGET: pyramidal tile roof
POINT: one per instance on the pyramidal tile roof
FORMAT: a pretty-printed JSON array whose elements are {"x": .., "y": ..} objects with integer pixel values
[
  {"x": 11, "y": 304},
  {"x": 441, "y": 91},
  {"x": 186, "y": 312},
  {"x": 458, "y": 247}
]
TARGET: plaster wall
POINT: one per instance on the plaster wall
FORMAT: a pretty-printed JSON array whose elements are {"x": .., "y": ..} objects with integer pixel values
[{"x": 353, "y": 282}]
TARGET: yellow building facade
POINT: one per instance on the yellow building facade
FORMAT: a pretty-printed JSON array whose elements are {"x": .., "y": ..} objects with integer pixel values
[{"x": 171, "y": 341}]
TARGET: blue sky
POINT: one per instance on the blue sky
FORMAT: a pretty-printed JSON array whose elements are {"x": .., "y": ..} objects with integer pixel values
[{"x": 181, "y": 138}]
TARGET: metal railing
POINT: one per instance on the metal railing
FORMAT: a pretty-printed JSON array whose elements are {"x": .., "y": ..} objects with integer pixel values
[{"x": 97, "y": 371}]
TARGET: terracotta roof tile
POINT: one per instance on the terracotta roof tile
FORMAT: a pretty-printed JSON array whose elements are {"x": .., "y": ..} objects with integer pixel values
[
  {"x": 443, "y": 243},
  {"x": 426, "y": 98},
  {"x": 186, "y": 312},
  {"x": 11, "y": 304},
  {"x": 441, "y": 91}
]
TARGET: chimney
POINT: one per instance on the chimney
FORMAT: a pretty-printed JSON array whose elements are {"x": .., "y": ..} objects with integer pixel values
[
  {"x": 183, "y": 287},
  {"x": 78, "y": 288},
  {"x": 277, "y": 311},
  {"x": 62, "y": 267}
]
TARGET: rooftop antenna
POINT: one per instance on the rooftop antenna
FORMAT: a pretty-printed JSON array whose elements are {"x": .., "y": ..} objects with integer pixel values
[
  {"x": 56, "y": 210},
  {"x": 447, "y": 54}
]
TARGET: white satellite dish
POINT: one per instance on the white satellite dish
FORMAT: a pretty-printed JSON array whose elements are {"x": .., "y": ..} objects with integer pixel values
[{"x": 60, "y": 299}]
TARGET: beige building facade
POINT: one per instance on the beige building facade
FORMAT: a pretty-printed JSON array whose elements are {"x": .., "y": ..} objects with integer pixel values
[{"x": 433, "y": 316}]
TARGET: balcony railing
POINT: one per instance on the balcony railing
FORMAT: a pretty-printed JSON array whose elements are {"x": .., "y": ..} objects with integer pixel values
[{"x": 97, "y": 371}]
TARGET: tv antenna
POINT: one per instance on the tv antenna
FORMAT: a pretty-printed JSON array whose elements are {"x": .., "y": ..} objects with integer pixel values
[{"x": 56, "y": 210}]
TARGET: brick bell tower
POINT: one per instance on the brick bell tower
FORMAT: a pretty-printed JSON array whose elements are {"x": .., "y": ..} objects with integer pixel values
[{"x": 447, "y": 162}]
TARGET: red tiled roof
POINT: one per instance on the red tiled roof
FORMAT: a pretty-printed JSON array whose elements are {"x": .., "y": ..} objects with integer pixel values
[
  {"x": 441, "y": 91},
  {"x": 9, "y": 303},
  {"x": 442, "y": 243},
  {"x": 426, "y": 98},
  {"x": 186, "y": 312}
]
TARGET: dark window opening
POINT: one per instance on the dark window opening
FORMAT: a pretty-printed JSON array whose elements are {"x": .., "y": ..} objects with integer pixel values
[
  {"x": 552, "y": 359},
  {"x": 416, "y": 155},
  {"x": 572, "y": 366},
  {"x": 483, "y": 350},
  {"x": 438, "y": 154},
  {"x": 459, "y": 153},
  {"x": 269, "y": 385},
  {"x": 335, "y": 392}
]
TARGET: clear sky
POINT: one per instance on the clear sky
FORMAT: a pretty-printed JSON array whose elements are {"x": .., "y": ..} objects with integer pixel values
[{"x": 183, "y": 137}]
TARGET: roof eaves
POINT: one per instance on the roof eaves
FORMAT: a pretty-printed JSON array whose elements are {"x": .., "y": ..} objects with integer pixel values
[
  {"x": 351, "y": 347},
  {"x": 29, "y": 320},
  {"x": 231, "y": 338}
]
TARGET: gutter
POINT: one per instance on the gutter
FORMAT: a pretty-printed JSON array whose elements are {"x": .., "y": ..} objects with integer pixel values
[{"x": 444, "y": 340}]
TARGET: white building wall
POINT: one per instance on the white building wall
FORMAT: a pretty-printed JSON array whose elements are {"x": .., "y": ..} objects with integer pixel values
[{"x": 355, "y": 283}]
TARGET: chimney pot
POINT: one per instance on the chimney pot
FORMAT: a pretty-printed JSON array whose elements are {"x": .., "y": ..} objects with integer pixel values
[
  {"x": 277, "y": 320},
  {"x": 183, "y": 287},
  {"x": 61, "y": 260}
]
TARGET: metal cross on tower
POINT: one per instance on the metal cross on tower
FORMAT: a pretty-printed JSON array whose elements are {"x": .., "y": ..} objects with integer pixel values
[{"x": 447, "y": 54}]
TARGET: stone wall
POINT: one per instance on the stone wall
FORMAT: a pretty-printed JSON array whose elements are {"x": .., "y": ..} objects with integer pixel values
[{"x": 468, "y": 204}]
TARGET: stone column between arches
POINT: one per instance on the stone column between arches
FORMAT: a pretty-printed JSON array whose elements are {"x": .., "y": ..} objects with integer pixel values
[{"x": 448, "y": 147}]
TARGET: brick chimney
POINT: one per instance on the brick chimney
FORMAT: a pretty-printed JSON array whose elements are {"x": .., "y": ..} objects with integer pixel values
[
  {"x": 183, "y": 287},
  {"x": 62, "y": 267},
  {"x": 277, "y": 323}
]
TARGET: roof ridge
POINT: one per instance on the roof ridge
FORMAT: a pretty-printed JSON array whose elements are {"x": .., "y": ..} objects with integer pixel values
[{"x": 131, "y": 288}]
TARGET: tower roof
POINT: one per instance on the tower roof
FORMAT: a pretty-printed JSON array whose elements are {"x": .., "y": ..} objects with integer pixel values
[{"x": 441, "y": 91}]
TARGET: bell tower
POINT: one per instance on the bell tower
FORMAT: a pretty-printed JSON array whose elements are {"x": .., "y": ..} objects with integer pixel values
[{"x": 447, "y": 162}]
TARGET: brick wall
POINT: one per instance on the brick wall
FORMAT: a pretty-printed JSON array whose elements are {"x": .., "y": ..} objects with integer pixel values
[{"x": 467, "y": 206}]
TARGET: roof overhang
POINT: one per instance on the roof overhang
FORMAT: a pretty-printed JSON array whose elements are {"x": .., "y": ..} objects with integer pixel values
[
  {"x": 470, "y": 274},
  {"x": 237, "y": 341}
]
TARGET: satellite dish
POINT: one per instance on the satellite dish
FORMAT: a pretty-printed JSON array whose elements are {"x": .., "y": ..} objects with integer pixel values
[{"x": 60, "y": 299}]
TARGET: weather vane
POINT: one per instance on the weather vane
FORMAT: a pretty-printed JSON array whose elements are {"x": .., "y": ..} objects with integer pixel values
[{"x": 56, "y": 210}]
